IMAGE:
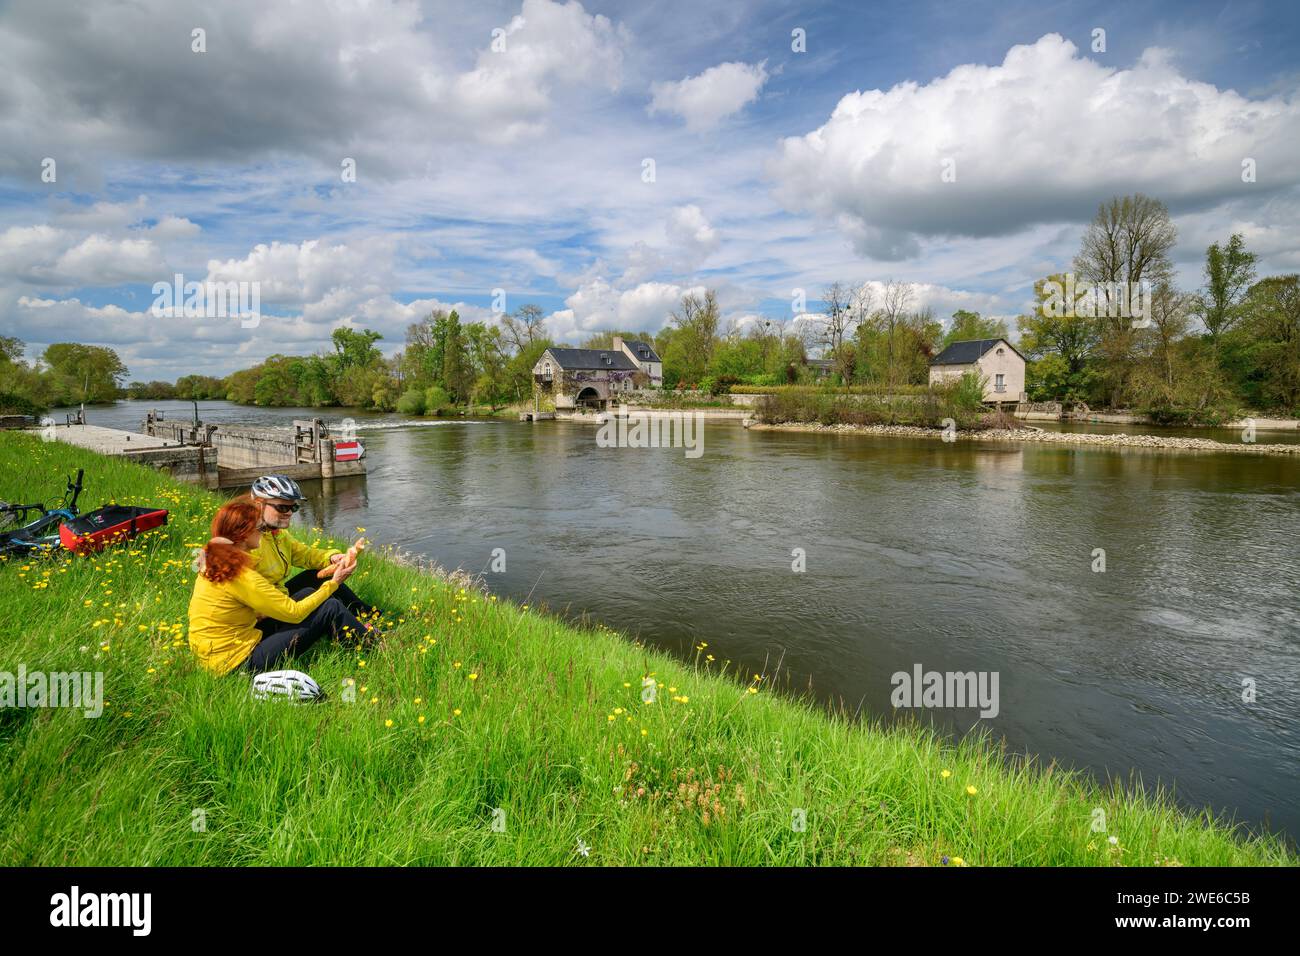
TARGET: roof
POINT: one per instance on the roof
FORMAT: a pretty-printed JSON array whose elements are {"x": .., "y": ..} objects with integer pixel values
[
  {"x": 592, "y": 358},
  {"x": 969, "y": 352},
  {"x": 638, "y": 346},
  {"x": 819, "y": 363}
]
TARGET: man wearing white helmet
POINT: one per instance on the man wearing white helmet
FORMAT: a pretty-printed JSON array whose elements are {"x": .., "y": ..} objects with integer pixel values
[{"x": 280, "y": 552}]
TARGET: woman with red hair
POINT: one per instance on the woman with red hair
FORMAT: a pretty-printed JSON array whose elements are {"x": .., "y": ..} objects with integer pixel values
[{"x": 230, "y": 597}]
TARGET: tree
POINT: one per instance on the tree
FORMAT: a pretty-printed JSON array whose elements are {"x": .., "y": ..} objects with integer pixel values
[
  {"x": 1271, "y": 328},
  {"x": 457, "y": 376},
  {"x": 1064, "y": 333},
  {"x": 695, "y": 327},
  {"x": 1126, "y": 244},
  {"x": 842, "y": 309},
  {"x": 968, "y": 326},
  {"x": 526, "y": 327},
  {"x": 1128, "y": 241},
  {"x": 1229, "y": 271},
  {"x": 354, "y": 348},
  {"x": 85, "y": 373}
]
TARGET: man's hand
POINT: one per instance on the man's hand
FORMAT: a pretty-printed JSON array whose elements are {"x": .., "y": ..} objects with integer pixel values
[{"x": 343, "y": 570}]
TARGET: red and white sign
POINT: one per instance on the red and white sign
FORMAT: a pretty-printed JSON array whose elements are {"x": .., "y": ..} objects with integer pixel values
[{"x": 348, "y": 450}]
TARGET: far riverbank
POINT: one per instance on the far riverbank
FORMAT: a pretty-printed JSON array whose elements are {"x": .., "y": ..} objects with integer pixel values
[{"x": 1030, "y": 435}]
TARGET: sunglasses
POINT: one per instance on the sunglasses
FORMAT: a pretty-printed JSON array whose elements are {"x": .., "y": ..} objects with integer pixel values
[{"x": 285, "y": 509}]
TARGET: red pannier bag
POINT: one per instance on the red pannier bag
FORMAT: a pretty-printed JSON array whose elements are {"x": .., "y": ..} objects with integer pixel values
[{"x": 110, "y": 524}]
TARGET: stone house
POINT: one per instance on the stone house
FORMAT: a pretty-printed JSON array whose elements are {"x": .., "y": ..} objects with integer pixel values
[
  {"x": 645, "y": 357},
  {"x": 997, "y": 360},
  {"x": 587, "y": 378}
]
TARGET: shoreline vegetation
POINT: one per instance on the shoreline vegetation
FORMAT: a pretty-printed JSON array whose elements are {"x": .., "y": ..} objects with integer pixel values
[
  {"x": 483, "y": 731},
  {"x": 1169, "y": 442}
]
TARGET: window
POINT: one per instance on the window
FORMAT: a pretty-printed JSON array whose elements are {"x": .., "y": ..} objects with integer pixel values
[
  {"x": 1002, "y": 351},
  {"x": 999, "y": 383}
]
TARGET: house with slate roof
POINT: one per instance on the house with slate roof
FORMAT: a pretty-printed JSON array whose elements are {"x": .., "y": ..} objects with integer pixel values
[
  {"x": 643, "y": 354},
  {"x": 996, "y": 360},
  {"x": 587, "y": 378}
]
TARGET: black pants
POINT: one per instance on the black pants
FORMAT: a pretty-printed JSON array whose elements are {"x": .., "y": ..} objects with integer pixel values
[
  {"x": 307, "y": 582},
  {"x": 336, "y": 617},
  {"x": 284, "y": 641}
]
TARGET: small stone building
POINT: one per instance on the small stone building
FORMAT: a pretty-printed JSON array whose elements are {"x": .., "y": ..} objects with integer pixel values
[{"x": 1002, "y": 366}]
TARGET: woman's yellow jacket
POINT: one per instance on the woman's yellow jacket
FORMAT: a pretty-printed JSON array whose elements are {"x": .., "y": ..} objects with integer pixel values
[{"x": 223, "y": 617}]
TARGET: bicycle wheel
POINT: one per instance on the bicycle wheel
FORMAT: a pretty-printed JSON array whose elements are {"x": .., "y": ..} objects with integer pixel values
[{"x": 13, "y": 517}]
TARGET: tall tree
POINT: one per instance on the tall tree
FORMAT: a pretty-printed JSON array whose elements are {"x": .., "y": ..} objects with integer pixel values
[
  {"x": 695, "y": 327},
  {"x": 1229, "y": 271},
  {"x": 526, "y": 327},
  {"x": 1125, "y": 248}
]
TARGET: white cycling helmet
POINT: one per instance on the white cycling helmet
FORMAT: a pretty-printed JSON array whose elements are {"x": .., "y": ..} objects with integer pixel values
[
  {"x": 287, "y": 685},
  {"x": 277, "y": 486}
]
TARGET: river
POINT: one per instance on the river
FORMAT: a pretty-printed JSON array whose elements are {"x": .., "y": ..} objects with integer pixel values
[{"x": 958, "y": 557}]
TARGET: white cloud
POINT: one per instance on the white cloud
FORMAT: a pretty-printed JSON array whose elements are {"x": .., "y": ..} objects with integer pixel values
[
  {"x": 1043, "y": 137},
  {"x": 174, "y": 227},
  {"x": 707, "y": 99},
  {"x": 597, "y": 305},
  {"x": 316, "y": 273},
  {"x": 60, "y": 258}
]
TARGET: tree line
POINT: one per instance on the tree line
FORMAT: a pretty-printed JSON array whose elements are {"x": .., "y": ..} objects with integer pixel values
[{"x": 1200, "y": 355}]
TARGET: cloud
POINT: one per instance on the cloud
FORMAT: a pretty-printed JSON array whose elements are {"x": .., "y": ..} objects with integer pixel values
[
  {"x": 1043, "y": 137},
  {"x": 705, "y": 100},
  {"x": 59, "y": 258},
  {"x": 689, "y": 240},
  {"x": 174, "y": 227},
  {"x": 597, "y": 305},
  {"x": 366, "y": 80},
  {"x": 325, "y": 276}
]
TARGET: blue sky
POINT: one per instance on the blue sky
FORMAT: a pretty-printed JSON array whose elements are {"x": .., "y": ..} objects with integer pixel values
[{"x": 522, "y": 168}]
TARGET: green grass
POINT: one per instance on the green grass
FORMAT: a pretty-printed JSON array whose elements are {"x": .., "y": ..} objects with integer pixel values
[{"x": 552, "y": 731}]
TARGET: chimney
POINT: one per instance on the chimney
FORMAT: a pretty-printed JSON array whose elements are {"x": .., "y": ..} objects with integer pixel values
[{"x": 618, "y": 343}]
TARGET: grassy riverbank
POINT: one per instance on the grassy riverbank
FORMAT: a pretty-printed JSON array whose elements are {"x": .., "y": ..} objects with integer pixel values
[{"x": 473, "y": 705}]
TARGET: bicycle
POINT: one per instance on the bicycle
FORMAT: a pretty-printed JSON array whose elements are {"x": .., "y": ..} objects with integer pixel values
[{"x": 20, "y": 536}]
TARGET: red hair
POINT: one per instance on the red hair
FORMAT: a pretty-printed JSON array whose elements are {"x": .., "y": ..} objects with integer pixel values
[{"x": 234, "y": 521}]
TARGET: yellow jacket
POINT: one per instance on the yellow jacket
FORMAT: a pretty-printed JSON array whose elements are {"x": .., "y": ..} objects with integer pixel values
[
  {"x": 280, "y": 552},
  {"x": 222, "y": 616}
]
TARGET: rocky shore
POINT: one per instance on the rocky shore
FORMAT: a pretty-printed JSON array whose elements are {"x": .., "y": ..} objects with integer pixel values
[{"x": 1032, "y": 435}]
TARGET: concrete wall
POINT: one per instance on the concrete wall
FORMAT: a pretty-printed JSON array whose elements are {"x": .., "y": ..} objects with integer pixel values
[
  {"x": 189, "y": 463},
  {"x": 254, "y": 447}
]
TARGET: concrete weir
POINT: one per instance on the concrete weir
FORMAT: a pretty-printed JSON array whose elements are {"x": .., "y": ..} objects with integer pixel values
[{"x": 218, "y": 456}]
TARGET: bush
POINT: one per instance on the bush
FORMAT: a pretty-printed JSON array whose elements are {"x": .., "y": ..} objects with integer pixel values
[
  {"x": 11, "y": 404},
  {"x": 411, "y": 402},
  {"x": 968, "y": 392},
  {"x": 436, "y": 400}
]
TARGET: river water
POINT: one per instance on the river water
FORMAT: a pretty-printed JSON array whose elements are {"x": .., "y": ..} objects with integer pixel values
[{"x": 956, "y": 557}]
